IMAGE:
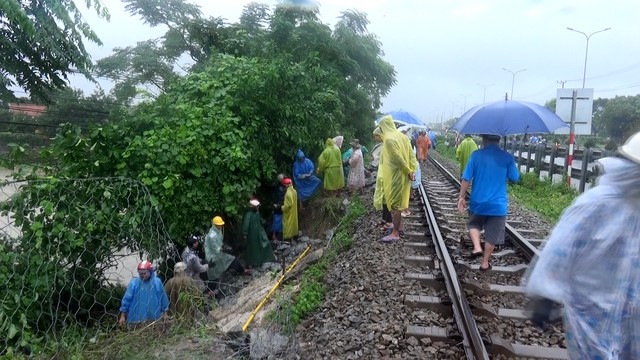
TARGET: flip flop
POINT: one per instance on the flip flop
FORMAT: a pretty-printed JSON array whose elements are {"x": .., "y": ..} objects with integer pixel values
[
  {"x": 477, "y": 254},
  {"x": 390, "y": 238},
  {"x": 485, "y": 269}
]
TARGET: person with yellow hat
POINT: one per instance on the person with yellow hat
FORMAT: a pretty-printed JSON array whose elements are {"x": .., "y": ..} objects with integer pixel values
[{"x": 218, "y": 260}]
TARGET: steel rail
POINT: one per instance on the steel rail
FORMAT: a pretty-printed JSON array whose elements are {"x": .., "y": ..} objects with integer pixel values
[
  {"x": 473, "y": 344},
  {"x": 517, "y": 239}
]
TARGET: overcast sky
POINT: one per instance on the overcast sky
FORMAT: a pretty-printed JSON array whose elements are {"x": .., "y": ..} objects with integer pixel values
[{"x": 442, "y": 50}]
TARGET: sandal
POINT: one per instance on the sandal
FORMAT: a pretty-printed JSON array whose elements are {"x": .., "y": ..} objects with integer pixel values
[
  {"x": 389, "y": 239},
  {"x": 477, "y": 254},
  {"x": 485, "y": 269}
]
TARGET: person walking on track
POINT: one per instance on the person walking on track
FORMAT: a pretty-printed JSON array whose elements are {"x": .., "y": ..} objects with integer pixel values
[{"x": 489, "y": 169}]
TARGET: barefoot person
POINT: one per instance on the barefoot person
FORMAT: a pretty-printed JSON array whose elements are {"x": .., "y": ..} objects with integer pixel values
[{"x": 397, "y": 173}]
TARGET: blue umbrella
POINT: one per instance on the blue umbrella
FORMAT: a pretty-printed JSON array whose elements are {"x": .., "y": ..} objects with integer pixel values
[
  {"x": 507, "y": 117},
  {"x": 403, "y": 117}
]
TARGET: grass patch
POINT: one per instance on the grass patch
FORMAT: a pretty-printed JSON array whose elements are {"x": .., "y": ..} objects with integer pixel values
[
  {"x": 312, "y": 285},
  {"x": 448, "y": 152},
  {"x": 543, "y": 196}
]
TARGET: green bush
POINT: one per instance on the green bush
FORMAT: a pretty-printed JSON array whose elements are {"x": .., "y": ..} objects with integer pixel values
[{"x": 547, "y": 198}]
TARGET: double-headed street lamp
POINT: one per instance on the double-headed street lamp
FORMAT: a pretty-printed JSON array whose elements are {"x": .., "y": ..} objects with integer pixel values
[
  {"x": 513, "y": 79},
  {"x": 586, "y": 51},
  {"x": 484, "y": 94}
]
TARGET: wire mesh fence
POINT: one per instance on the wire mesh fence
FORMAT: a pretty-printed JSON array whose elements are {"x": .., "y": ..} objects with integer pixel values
[{"x": 68, "y": 249}]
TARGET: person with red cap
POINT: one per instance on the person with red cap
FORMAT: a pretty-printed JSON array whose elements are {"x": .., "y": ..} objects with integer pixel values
[
  {"x": 289, "y": 211},
  {"x": 145, "y": 298}
]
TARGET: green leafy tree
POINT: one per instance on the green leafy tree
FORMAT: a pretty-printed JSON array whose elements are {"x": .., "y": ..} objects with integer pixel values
[
  {"x": 41, "y": 42},
  {"x": 620, "y": 117},
  {"x": 551, "y": 104}
]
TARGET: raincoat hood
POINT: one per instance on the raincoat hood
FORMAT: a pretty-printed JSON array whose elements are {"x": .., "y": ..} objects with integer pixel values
[
  {"x": 386, "y": 125},
  {"x": 620, "y": 173},
  {"x": 338, "y": 141},
  {"x": 329, "y": 143},
  {"x": 299, "y": 154}
]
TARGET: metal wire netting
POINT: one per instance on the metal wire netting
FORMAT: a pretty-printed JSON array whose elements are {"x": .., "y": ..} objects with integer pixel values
[{"x": 68, "y": 248}]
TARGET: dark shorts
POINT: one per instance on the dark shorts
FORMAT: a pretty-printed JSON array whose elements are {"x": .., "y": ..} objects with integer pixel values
[{"x": 493, "y": 227}]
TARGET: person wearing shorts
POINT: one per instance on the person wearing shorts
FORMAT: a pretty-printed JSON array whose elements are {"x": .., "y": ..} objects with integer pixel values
[{"x": 488, "y": 169}]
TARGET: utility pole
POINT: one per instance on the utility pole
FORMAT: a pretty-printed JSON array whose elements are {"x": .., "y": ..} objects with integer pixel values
[{"x": 561, "y": 82}]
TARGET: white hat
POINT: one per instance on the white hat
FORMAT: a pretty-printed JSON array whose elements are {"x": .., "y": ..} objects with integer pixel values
[
  {"x": 254, "y": 202},
  {"x": 631, "y": 148}
]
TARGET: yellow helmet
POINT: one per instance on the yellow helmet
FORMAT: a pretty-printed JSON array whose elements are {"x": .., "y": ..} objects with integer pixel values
[{"x": 217, "y": 221}]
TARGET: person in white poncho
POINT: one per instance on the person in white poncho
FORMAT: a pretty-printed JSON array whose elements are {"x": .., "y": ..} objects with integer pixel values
[{"x": 591, "y": 264}]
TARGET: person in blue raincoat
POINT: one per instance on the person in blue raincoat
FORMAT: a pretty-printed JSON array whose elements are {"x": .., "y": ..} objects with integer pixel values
[
  {"x": 307, "y": 184},
  {"x": 145, "y": 298}
]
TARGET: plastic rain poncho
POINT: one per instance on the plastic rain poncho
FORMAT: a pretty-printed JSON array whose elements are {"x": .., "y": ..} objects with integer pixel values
[
  {"x": 423, "y": 143},
  {"x": 218, "y": 260},
  {"x": 290, "y": 214},
  {"x": 259, "y": 249},
  {"x": 144, "y": 300},
  {"x": 591, "y": 265},
  {"x": 397, "y": 165},
  {"x": 378, "y": 194},
  {"x": 464, "y": 151},
  {"x": 307, "y": 183},
  {"x": 330, "y": 163},
  {"x": 355, "y": 180},
  {"x": 416, "y": 183}
]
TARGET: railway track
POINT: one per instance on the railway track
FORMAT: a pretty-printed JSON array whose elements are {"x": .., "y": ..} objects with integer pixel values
[{"x": 484, "y": 312}]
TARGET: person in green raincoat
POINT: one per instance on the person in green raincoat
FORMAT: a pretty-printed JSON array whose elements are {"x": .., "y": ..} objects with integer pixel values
[
  {"x": 398, "y": 170},
  {"x": 218, "y": 260},
  {"x": 259, "y": 249},
  {"x": 464, "y": 151},
  {"x": 330, "y": 163},
  {"x": 289, "y": 211}
]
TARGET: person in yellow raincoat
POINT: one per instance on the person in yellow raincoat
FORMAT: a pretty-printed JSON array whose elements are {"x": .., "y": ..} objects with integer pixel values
[
  {"x": 378, "y": 195},
  {"x": 398, "y": 170},
  {"x": 330, "y": 163},
  {"x": 290, "y": 211},
  {"x": 464, "y": 151}
]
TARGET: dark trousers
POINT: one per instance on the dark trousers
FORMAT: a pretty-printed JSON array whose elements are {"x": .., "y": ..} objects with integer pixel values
[{"x": 386, "y": 214}]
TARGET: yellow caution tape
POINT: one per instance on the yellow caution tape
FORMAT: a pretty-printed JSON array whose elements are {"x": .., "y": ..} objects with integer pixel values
[{"x": 274, "y": 288}]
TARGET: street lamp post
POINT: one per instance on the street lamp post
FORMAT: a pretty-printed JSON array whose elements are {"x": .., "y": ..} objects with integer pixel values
[
  {"x": 572, "y": 135},
  {"x": 586, "y": 50},
  {"x": 464, "y": 108},
  {"x": 513, "y": 78},
  {"x": 484, "y": 94}
]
